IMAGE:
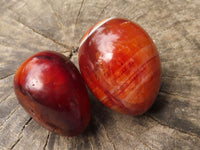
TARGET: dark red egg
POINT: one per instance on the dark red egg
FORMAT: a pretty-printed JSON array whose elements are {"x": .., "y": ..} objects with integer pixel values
[
  {"x": 52, "y": 91},
  {"x": 121, "y": 65}
]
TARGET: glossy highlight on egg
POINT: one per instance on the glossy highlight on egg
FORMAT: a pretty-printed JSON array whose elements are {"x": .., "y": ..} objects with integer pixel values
[
  {"x": 51, "y": 89},
  {"x": 121, "y": 65}
]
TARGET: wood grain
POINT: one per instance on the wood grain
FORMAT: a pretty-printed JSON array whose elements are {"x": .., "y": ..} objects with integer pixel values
[{"x": 173, "y": 122}]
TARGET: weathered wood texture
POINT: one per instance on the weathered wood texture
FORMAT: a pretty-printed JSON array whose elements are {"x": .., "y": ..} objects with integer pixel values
[{"x": 29, "y": 26}]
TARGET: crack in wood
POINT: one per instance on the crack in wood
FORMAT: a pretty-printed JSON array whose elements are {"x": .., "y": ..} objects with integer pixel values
[
  {"x": 174, "y": 128},
  {"x": 1, "y": 78},
  {"x": 136, "y": 137},
  {"x": 25, "y": 125},
  {"x": 56, "y": 15},
  {"x": 79, "y": 12},
  {"x": 185, "y": 34},
  {"x": 108, "y": 137},
  {"x": 75, "y": 51},
  {"x": 5, "y": 121},
  {"x": 70, "y": 48},
  {"x": 188, "y": 59},
  {"x": 142, "y": 15},
  {"x": 46, "y": 142},
  {"x": 105, "y": 7},
  {"x": 106, "y": 133},
  {"x": 6, "y": 97},
  {"x": 177, "y": 95},
  {"x": 176, "y": 24},
  {"x": 70, "y": 55},
  {"x": 173, "y": 25},
  {"x": 181, "y": 76},
  {"x": 20, "y": 133},
  {"x": 16, "y": 143}
]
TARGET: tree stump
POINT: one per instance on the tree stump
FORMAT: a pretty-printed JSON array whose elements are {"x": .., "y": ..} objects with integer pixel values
[{"x": 173, "y": 122}]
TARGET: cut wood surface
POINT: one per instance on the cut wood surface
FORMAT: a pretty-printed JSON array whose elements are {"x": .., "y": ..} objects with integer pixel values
[{"x": 173, "y": 122}]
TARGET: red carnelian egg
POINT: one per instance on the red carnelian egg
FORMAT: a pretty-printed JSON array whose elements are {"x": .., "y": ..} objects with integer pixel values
[
  {"x": 51, "y": 89},
  {"x": 121, "y": 65}
]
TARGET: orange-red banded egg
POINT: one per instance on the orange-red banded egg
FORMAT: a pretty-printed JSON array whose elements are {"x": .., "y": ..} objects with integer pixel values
[{"x": 121, "y": 65}]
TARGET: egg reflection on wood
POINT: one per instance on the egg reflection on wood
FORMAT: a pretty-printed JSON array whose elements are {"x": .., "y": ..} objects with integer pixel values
[{"x": 121, "y": 65}]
